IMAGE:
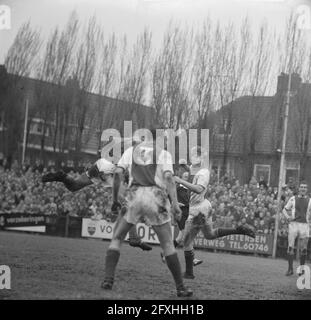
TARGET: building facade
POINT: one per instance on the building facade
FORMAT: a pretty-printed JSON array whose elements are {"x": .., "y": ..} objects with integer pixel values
[
  {"x": 247, "y": 135},
  {"x": 64, "y": 124}
]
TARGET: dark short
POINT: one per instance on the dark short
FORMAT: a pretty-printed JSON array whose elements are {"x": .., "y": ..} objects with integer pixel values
[{"x": 184, "y": 216}]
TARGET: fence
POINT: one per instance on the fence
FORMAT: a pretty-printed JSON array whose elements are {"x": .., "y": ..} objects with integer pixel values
[{"x": 77, "y": 227}]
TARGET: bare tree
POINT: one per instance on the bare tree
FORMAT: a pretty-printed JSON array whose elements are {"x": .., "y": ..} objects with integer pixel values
[
  {"x": 85, "y": 64},
  {"x": 22, "y": 54},
  {"x": 133, "y": 67},
  {"x": 45, "y": 72},
  {"x": 20, "y": 61},
  {"x": 106, "y": 81},
  {"x": 203, "y": 74},
  {"x": 57, "y": 68},
  {"x": 134, "y": 78},
  {"x": 231, "y": 71},
  {"x": 299, "y": 47},
  {"x": 260, "y": 71},
  {"x": 301, "y": 119},
  {"x": 171, "y": 78}
]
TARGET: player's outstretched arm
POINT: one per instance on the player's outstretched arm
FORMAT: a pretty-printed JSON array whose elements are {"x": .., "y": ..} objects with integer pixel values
[{"x": 192, "y": 187}]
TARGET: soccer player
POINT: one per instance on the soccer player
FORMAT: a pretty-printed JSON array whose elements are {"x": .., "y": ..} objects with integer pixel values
[
  {"x": 183, "y": 196},
  {"x": 200, "y": 211},
  {"x": 101, "y": 170},
  {"x": 297, "y": 211},
  {"x": 151, "y": 182}
]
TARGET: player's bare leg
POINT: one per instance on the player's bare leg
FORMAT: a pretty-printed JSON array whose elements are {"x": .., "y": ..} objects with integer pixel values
[
  {"x": 113, "y": 253},
  {"x": 201, "y": 221},
  {"x": 164, "y": 234},
  {"x": 179, "y": 238},
  {"x": 179, "y": 241}
]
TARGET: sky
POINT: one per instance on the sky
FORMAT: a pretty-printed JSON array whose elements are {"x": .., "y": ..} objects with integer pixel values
[{"x": 131, "y": 16}]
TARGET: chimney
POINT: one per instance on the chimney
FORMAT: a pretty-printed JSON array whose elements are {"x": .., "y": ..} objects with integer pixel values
[{"x": 283, "y": 83}]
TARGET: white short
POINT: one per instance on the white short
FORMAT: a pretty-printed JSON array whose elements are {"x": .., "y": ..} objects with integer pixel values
[
  {"x": 201, "y": 213},
  {"x": 297, "y": 229},
  {"x": 149, "y": 205},
  {"x": 200, "y": 218}
]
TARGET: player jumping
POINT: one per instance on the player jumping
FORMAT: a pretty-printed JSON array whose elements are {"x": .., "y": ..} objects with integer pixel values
[
  {"x": 101, "y": 170},
  {"x": 297, "y": 211},
  {"x": 200, "y": 211},
  {"x": 183, "y": 196}
]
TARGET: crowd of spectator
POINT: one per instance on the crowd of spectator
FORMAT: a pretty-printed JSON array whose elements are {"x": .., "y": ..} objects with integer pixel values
[
  {"x": 22, "y": 191},
  {"x": 255, "y": 204}
]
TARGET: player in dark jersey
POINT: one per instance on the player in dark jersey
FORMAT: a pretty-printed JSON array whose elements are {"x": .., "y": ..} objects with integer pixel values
[
  {"x": 183, "y": 196},
  {"x": 101, "y": 170},
  {"x": 297, "y": 211}
]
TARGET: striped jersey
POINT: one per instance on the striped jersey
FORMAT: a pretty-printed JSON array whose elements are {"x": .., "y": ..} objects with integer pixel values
[{"x": 300, "y": 208}]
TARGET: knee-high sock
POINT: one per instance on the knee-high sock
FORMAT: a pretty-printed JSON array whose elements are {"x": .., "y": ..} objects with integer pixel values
[
  {"x": 189, "y": 256},
  {"x": 112, "y": 258},
  {"x": 175, "y": 268},
  {"x": 221, "y": 232},
  {"x": 133, "y": 234},
  {"x": 303, "y": 257},
  {"x": 290, "y": 258}
]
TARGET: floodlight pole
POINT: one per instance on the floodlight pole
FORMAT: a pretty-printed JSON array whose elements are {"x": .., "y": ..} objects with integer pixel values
[
  {"x": 283, "y": 150},
  {"x": 25, "y": 132},
  {"x": 282, "y": 163}
]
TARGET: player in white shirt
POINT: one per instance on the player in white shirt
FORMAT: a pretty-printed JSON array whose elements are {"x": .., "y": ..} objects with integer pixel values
[
  {"x": 200, "y": 217},
  {"x": 297, "y": 212},
  {"x": 183, "y": 196},
  {"x": 101, "y": 171}
]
